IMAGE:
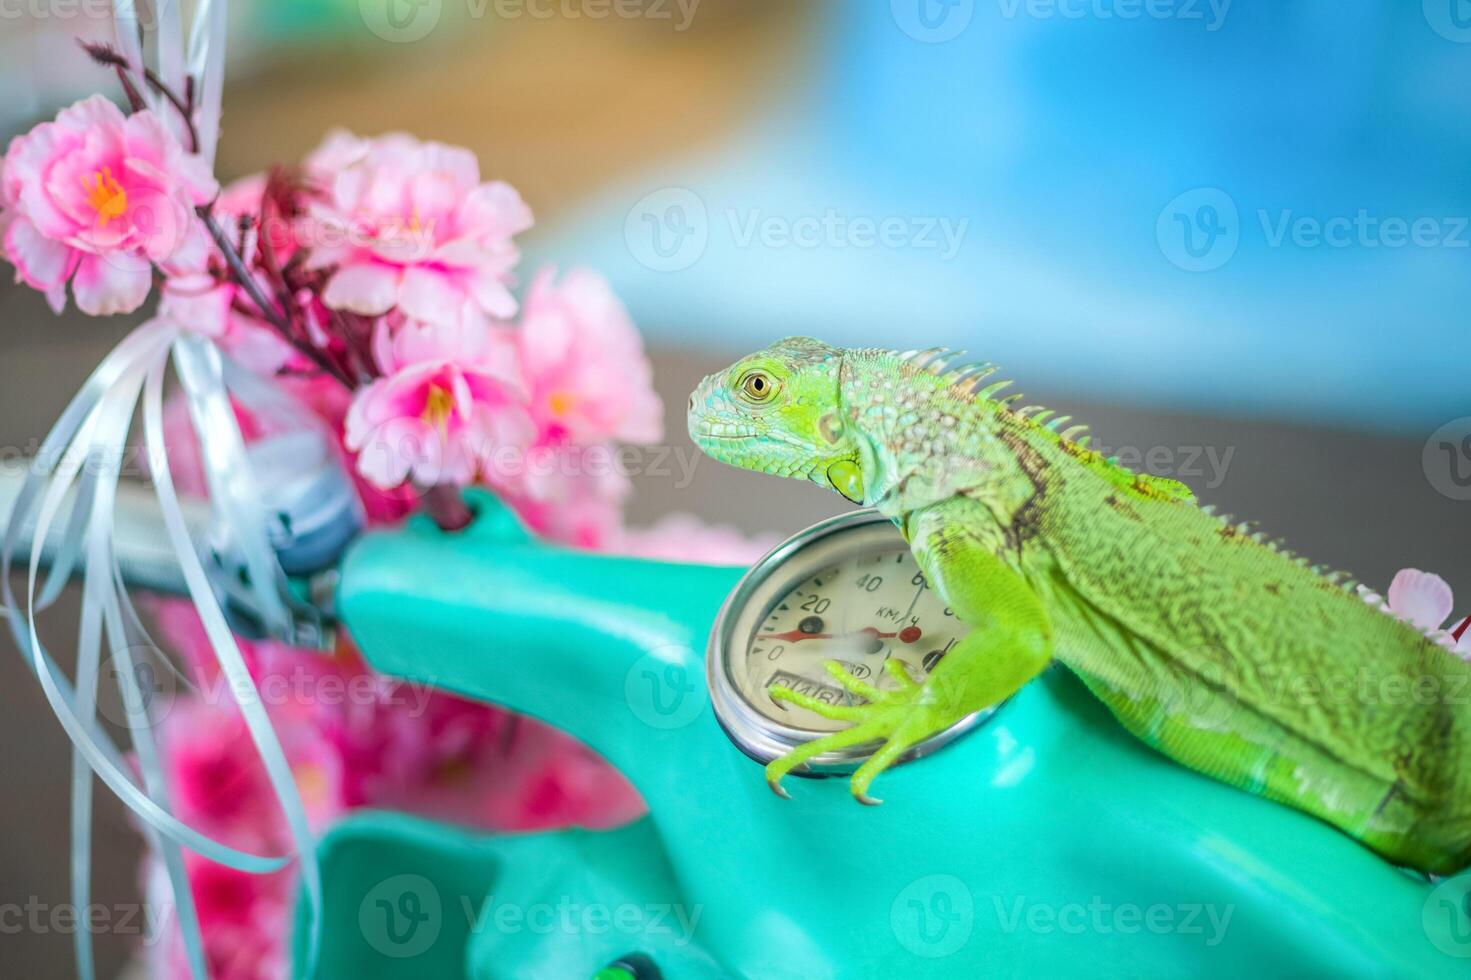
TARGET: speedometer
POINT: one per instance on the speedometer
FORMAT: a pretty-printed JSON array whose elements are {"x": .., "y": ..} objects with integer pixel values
[{"x": 846, "y": 589}]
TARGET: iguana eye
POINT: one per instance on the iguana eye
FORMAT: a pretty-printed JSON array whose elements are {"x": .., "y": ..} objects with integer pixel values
[{"x": 758, "y": 387}]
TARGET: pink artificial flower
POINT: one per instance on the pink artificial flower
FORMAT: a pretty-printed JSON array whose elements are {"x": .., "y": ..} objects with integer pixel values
[
  {"x": 219, "y": 782},
  {"x": 1424, "y": 600},
  {"x": 245, "y": 921},
  {"x": 450, "y": 397},
  {"x": 245, "y": 199},
  {"x": 409, "y": 225},
  {"x": 213, "y": 304},
  {"x": 353, "y": 740},
  {"x": 686, "y": 538},
  {"x": 570, "y": 494},
  {"x": 550, "y": 780},
  {"x": 98, "y": 198},
  {"x": 331, "y": 402},
  {"x": 584, "y": 363},
  {"x": 200, "y": 302}
]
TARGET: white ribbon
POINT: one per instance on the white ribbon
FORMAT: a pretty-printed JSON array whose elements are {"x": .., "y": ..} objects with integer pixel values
[
  {"x": 207, "y": 67},
  {"x": 84, "y": 450},
  {"x": 90, "y": 435}
]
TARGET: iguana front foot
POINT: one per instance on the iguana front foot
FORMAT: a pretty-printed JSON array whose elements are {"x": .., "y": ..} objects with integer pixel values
[{"x": 900, "y": 719}]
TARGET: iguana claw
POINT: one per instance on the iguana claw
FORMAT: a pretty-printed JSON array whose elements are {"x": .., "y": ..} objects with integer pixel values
[{"x": 897, "y": 718}]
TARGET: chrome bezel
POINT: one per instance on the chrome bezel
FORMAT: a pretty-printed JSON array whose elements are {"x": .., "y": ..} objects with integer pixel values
[{"x": 758, "y": 736}]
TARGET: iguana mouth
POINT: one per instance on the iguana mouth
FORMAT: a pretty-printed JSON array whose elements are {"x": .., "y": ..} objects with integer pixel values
[{"x": 724, "y": 432}]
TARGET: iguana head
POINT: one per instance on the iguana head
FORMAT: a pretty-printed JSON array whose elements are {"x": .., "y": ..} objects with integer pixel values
[{"x": 776, "y": 411}]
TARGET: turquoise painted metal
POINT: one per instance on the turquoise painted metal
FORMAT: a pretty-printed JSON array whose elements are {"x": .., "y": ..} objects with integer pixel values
[{"x": 1044, "y": 843}]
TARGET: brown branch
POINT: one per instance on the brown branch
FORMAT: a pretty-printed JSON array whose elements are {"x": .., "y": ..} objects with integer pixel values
[
  {"x": 106, "y": 56},
  {"x": 177, "y": 102},
  {"x": 237, "y": 267},
  {"x": 447, "y": 507},
  {"x": 267, "y": 250},
  {"x": 267, "y": 312}
]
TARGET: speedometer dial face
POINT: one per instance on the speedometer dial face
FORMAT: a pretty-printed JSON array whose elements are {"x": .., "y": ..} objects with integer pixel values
[
  {"x": 859, "y": 609},
  {"x": 845, "y": 590}
]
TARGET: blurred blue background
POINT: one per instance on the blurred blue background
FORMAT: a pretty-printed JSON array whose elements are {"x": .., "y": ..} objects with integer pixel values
[{"x": 1256, "y": 208}]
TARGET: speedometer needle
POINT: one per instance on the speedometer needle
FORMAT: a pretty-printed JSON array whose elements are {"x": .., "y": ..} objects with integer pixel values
[{"x": 908, "y": 634}]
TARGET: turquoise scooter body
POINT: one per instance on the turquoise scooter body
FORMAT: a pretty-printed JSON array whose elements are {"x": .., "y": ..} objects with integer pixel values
[{"x": 1045, "y": 842}]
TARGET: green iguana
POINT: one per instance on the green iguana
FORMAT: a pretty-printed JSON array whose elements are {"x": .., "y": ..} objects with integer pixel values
[{"x": 1206, "y": 641}]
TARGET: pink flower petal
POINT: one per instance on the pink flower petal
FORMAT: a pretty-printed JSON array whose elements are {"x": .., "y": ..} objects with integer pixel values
[
  {"x": 456, "y": 163},
  {"x": 492, "y": 296},
  {"x": 92, "y": 113},
  {"x": 434, "y": 194},
  {"x": 368, "y": 289},
  {"x": 243, "y": 196},
  {"x": 149, "y": 143},
  {"x": 256, "y": 346},
  {"x": 682, "y": 537},
  {"x": 117, "y": 283},
  {"x": 1422, "y": 598},
  {"x": 383, "y": 347},
  {"x": 199, "y": 180},
  {"x": 394, "y": 450},
  {"x": 198, "y": 303},
  {"x": 191, "y": 253},
  {"x": 56, "y": 298},
  {"x": 159, "y": 226},
  {"x": 338, "y": 151},
  {"x": 644, "y": 423},
  {"x": 496, "y": 209},
  {"x": 41, "y": 262},
  {"x": 429, "y": 295},
  {"x": 28, "y": 165}
]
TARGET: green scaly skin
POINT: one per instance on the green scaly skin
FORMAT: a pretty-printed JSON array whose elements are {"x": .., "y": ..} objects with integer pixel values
[{"x": 1206, "y": 641}]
